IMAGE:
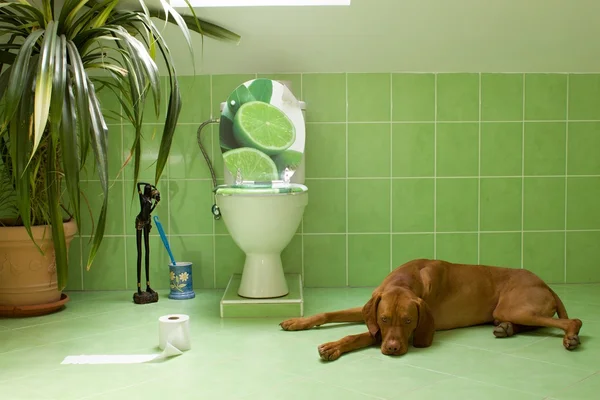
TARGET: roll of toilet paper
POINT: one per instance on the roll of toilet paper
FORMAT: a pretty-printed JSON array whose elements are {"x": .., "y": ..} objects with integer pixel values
[
  {"x": 174, "y": 330},
  {"x": 173, "y": 340}
]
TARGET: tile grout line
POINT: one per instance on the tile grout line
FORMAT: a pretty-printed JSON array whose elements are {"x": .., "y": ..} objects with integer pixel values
[
  {"x": 523, "y": 86},
  {"x": 435, "y": 76},
  {"x": 346, "y": 99},
  {"x": 302, "y": 221},
  {"x": 214, "y": 224},
  {"x": 124, "y": 206},
  {"x": 391, "y": 170},
  {"x": 479, "y": 178},
  {"x": 566, "y": 180},
  {"x": 375, "y": 233},
  {"x": 540, "y": 121}
]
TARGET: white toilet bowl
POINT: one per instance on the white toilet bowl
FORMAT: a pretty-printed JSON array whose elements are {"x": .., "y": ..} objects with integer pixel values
[
  {"x": 262, "y": 224},
  {"x": 263, "y": 197}
]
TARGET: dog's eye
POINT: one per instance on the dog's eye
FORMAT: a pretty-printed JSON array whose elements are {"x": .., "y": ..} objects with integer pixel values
[
  {"x": 383, "y": 319},
  {"x": 407, "y": 321}
]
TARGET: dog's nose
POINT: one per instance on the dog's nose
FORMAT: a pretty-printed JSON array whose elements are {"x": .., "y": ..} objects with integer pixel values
[{"x": 392, "y": 347}]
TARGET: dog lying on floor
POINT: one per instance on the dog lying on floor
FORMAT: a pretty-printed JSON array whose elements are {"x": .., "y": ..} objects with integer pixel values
[{"x": 423, "y": 296}]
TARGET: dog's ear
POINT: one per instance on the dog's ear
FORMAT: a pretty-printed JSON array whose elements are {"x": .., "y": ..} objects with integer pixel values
[
  {"x": 423, "y": 334},
  {"x": 369, "y": 313}
]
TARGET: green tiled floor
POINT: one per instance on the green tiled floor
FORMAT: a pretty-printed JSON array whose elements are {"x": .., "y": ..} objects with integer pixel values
[{"x": 254, "y": 359}]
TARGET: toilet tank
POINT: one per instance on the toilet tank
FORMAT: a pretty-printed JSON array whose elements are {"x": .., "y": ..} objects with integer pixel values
[{"x": 299, "y": 174}]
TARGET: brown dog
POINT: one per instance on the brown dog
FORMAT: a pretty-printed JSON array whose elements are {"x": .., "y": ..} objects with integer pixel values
[{"x": 423, "y": 296}]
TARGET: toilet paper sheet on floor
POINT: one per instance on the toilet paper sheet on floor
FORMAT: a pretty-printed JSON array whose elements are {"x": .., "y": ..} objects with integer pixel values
[{"x": 173, "y": 340}]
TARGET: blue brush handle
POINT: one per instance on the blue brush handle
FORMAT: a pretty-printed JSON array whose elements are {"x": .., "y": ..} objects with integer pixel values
[{"x": 164, "y": 238}]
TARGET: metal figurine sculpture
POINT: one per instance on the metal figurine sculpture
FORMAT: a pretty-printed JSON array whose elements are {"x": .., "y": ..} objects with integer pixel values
[{"x": 149, "y": 198}]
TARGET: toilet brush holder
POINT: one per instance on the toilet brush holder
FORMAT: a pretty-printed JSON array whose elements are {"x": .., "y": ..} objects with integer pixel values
[{"x": 182, "y": 286}]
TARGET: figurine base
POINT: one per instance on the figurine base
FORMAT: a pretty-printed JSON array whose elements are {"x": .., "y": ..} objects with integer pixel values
[{"x": 145, "y": 298}]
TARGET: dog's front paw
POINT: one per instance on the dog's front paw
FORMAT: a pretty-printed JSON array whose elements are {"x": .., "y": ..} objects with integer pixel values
[
  {"x": 296, "y": 324},
  {"x": 330, "y": 351},
  {"x": 571, "y": 342}
]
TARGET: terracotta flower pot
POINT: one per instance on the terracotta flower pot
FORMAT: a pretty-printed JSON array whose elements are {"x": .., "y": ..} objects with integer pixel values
[{"x": 28, "y": 280}]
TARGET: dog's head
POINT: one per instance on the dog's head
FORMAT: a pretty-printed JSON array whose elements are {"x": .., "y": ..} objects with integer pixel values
[{"x": 397, "y": 314}]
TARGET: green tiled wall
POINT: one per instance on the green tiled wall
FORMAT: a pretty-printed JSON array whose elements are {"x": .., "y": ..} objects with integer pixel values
[{"x": 500, "y": 169}]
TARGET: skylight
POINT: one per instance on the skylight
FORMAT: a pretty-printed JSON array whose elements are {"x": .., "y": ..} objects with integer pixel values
[{"x": 258, "y": 3}]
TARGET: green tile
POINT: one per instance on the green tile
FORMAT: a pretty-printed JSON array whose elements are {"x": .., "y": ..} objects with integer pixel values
[
  {"x": 222, "y": 86},
  {"x": 457, "y": 247},
  {"x": 186, "y": 160},
  {"x": 412, "y": 205},
  {"x": 324, "y": 260},
  {"x": 461, "y": 388},
  {"x": 355, "y": 379},
  {"x": 369, "y": 97},
  {"x": 545, "y": 148},
  {"x": 368, "y": 259},
  {"x": 500, "y": 204},
  {"x": 500, "y": 249},
  {"x": 109, "y": 267},
  {"x": 132, "y": 208},
  {"x": 413, "y": 97},
  {"x": 582, "y": 205},
  {"x": 544, "y": 207},
  {"x": 75, "y": 269},
  {"x": 409, "y": 247},
  {"x": 199, "y": 251},
  {"x": 325, "y": 152},
  {"x": 545, "y": 97},
  {"x": 291, "y": 257},
  {"x": 583, "y": 257},
  {"x": 458, "y": 97},
  {"x": 369, "y": 152},
  {"x": 501, "y": 97},
  {"x": 413, "y": 149},
  {"x": 217, "y": 156},
  {"x": 364, "y": 213},
  {"x": 150, "y": 116},
  {"x": 90, "y": 210},
  {"x": 501, "y": 149},
  {"x": 150, "y": 145},
  {"x": 325, "y": 96},
  {"x": 583, "y": 390},
  {"x": 456, "y": 205},
  {"x": 159, "y": 263},
  {"x": 229, "y": 259},
  {"x": 544, "y": 255},
  {"x": 195, "y": 99},
  {"x": 326, "y": 210},
  {"x": 295, "y": 79},
  {"x": 457, "y": 149},
  {"x": 584, "y": 96},
  {"x": 584, "y": 139},
  {"x": 191, "y": 204}
]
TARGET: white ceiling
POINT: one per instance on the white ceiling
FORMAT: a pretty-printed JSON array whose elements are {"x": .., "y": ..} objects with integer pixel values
[{"x": 402, "y": 35}]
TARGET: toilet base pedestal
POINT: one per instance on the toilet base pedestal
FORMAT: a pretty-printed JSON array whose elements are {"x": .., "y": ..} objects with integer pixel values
[
  {"x": 263, "y": 277},
  {"x": 288, "y": 306}
]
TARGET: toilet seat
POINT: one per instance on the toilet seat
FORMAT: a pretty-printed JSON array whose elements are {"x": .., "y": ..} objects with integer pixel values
[{"x": 242, "y": 190}]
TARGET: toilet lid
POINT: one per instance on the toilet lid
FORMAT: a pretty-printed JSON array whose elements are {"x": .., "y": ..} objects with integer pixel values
[{"x": 262, "y": 132}]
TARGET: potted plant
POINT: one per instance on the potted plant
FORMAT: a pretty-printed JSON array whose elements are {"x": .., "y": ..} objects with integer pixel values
[{"x": 51, "y": 121}]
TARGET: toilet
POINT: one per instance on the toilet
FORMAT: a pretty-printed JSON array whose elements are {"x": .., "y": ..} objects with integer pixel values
[{"x": 262, "y": 138}]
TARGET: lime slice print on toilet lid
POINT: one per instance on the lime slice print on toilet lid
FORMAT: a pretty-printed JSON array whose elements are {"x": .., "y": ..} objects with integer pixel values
[{"x": 262, "y": 132}]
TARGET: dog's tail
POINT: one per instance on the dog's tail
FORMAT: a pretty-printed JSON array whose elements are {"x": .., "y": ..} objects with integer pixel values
[{"x": 560, "y": 307}]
